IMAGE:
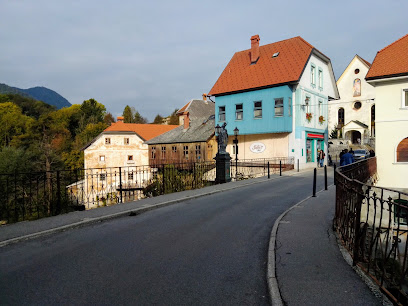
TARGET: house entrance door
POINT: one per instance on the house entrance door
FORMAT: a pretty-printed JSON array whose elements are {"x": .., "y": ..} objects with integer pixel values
[{"x": 356, "y": 137}]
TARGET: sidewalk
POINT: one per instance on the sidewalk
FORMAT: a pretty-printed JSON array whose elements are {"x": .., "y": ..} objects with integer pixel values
[{"x": 310, "y": 268}]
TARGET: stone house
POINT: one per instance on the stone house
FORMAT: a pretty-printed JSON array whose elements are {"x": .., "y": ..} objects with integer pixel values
[
  {"x": 277, "y": 97},
  {"x": 193, "y": 141}
]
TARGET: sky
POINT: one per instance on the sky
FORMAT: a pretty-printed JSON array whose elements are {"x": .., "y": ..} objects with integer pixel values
[{"x": 157, "y": 55}]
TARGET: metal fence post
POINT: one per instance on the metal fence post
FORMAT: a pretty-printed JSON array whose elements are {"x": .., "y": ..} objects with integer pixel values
[
  {"x": 298, "y": 164},
  {"x": 269, "y": 172},
  {"x": 120, "y": 184},
  {"x": 58, "y": 208},
  {"x": 334, "y": 178},
  {"x": 314, "y": 182},
  {"x": 280, "y": 168},
  {"x": 325, "y": 177}
]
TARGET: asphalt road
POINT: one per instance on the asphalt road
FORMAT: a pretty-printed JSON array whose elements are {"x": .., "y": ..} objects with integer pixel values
[{"x": 207, "y": 251}]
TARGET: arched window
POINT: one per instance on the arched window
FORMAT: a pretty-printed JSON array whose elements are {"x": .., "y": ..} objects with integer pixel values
[
  {"x": 340, "y": 117},
  {"x": 357, "y": 88},
  {"x": 402, "y": 151}
]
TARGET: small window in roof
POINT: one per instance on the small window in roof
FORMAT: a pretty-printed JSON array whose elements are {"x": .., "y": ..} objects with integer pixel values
[{"x": 275, "y": 54}]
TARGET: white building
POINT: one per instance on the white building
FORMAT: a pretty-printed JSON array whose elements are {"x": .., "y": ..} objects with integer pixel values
[
  {"x": 353, "y": 115},
  {"x": 389, "y": 75}
]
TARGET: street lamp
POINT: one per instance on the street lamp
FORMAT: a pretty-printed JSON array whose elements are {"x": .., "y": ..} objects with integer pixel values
[
  {"x": 217, "y": 129},
  {"x": 235, "y": 141}
]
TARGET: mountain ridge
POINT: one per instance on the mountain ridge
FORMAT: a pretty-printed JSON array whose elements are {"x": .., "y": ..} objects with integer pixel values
[{"x": 39, "y": 93}]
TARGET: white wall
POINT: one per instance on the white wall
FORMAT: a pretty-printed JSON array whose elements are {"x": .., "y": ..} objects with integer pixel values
[
  {"x": 391, "y": 128},
  {"x": 345, "y": 86}
]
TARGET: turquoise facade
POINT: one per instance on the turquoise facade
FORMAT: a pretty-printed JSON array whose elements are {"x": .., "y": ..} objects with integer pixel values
[{"x": 269, "y": 123}]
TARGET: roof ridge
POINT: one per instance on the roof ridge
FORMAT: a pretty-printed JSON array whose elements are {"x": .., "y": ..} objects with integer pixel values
[
  {"x": 303, "y": 40},
  {"x": 406, "y": 35},
  {"x": 367, "y": 62}
]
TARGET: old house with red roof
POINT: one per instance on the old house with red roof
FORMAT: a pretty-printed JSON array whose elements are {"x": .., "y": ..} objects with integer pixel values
[
  {"x": 122, "y": 145},
  {"x": 277, "y": 96},
  {"x": 353, "y": 115},
  {"x": 389, "y": 75}
]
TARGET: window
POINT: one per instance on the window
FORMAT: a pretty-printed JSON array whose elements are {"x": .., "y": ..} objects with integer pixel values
[
  {"x": 221, "y": 113},
  {"x": 126, "y": 141},
  {"x": 107, "y": 141},
  {"x": 320, "y": 77},
  {"x": 239, "y": 113},
  {"x": 405, "y": 97},
  {"x": 279, "y": 107},
  {"x": 320, "y": 106},
  {"x": 130, "y": 176},
  {"x": 357, "y": 105},
  {"x": 102, "y": 176},
  {"x": 185, "y": 152},
  {"x": 307, "y": 103},
  {"x": 340, "y": 117},
  {"x": 153, "y": 153},
  {"x": 356, "y": 88},
  {"x": 130, "y": 157},
  {"x": 402, "y": 151},
  {"x": 313, "y": 75},
  {"x": 290, "y": 107},
  {"x": 357, "y": 71},
  {"x": 258, "y": 109},
  {"x": 163, "y": 152},
  {"x": 198, "y": 151},
  {"x": 174, "y": 149},
  {"x": 102, "y": 158}
]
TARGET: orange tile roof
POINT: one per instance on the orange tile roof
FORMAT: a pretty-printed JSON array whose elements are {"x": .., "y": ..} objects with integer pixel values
[
  {"x": 286, "y": 67},
  {"x": 390, "y": 61},
  {"x": 145, "y": 131}
]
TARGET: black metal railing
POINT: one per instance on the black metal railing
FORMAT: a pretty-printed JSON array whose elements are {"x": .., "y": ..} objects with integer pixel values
[
  {"x": 372, "y": 223},
  {"x": 28, "y": 196},
  {"x": 251, "y": 168}
]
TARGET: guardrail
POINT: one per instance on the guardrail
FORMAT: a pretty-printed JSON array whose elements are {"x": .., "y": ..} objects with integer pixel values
[
  {"x": 28, "y": 196},
  {"x": 372, "y": 223}
]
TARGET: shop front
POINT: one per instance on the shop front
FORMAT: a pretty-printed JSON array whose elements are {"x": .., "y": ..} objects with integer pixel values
[{"x": 314, "y": 143}]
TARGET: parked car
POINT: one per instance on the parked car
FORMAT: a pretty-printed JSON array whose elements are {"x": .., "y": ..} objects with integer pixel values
[{"x": 361, "y": 154}]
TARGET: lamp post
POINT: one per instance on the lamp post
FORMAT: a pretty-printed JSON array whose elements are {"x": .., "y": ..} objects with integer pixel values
[{"x": 235, "y": 141}]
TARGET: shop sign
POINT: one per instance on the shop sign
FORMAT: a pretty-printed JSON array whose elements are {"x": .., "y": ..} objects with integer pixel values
[{"x": 257, "y": 147}]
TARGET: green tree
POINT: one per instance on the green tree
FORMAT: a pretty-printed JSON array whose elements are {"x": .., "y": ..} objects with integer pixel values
[
  {"x": 158, "y": 120},
  {"x": 128, "y": 116},
  {"x": 139, "y": 119},
  {"x": 12, "y": 122},
  {"x": 108, "y": 119},
  {"x": 90, "y": 132},
  {"x": 91, "y": 112},
  {"x": 174, "y": 119},
  {"x": 15, "y": 160}
]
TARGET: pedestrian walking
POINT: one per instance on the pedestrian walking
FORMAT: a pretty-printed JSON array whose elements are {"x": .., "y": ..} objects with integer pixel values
[
  {"x": 321, "y": 157},
  {"x": 348, "y": 158}
]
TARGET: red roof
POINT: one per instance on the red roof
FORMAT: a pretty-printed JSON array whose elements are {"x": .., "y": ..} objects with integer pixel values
[
  {"x": 287, "y": 67},
  {"x": 146, "y": 131},
  {"x": 390, "y": 61}
]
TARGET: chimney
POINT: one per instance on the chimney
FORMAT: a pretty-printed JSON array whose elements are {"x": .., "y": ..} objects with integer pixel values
[
  {"x": 255, "y": 48},
  {"x": 186, "y": 120},
  {"x": 205, "y": 97},
  {"x": 120, "y": 119}
]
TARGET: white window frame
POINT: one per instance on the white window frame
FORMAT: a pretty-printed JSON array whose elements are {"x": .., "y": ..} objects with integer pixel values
[
  {"x": 239, "y": 114},
  {"x": 320, "y": 78},
  {"x": 102, "y": 158},
  {"x": 126, "y": 141},
  {"x": 257, "y": 109},
  {"x": 221, "y": 113},
  {"x": 280, "y": 107},
  {"x": 404, "y": 98},
  {"x": 313, "y": 75}
]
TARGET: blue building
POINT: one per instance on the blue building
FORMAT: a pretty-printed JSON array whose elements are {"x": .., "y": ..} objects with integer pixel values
[{"x": 277, "y": 96}]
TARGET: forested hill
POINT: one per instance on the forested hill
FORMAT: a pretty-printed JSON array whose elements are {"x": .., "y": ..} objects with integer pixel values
[{"x": 38, "y": 93}]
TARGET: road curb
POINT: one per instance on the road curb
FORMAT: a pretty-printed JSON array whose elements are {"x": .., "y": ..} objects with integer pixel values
[
  {"x": 273, "y": 286},
  {"x": 135, "y": 211}
]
